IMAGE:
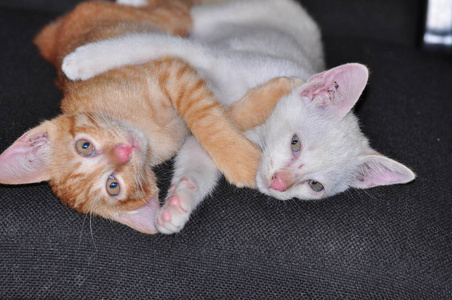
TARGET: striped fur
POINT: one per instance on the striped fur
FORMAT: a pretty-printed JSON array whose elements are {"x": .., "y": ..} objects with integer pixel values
[{"x": 147, "y": 109}]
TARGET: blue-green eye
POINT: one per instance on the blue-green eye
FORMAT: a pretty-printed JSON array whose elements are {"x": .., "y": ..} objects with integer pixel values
[
  {"x": 315, "y": 185},
  {"x": 295, "y": 144},
  {"x": 84, "y": 147},
  {"x": 112, "y": 186}
]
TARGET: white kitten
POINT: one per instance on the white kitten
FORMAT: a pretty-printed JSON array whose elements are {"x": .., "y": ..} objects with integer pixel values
[{"x": 312, "y": 144}]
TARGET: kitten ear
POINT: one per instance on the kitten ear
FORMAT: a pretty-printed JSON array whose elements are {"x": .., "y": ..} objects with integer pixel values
[
  {"x": 27, "y": 160},
  {"x": 377, "y": 169},
  {"x": 337, "y": 89},
  {"x": 141, "y": 219}
]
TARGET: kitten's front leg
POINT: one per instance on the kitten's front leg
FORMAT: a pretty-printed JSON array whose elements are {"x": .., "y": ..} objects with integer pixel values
[
  {"x": 195, "y": 176},
  {"x": 95, "y": 58},
  {"x": 179, "y": 204},
  {"x": 234, "y": 155}
]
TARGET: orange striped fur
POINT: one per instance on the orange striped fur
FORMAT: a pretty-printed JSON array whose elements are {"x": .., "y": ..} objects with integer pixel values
[{"x": 148, "y": 109}]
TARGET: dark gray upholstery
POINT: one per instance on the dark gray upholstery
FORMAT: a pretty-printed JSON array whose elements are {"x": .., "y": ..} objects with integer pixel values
[{"x": 384, "y": 243}]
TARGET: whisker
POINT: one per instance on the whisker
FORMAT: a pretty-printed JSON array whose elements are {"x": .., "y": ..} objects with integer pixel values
[
  {"x": 92, "y": 204},
  {"x": 81, "y": 231},
  {"x": 370, "y": 195},
  {"x": 91, "y": 230},
  {"x": 352, "y": 196},
  {"x": 296, "y": 201}
]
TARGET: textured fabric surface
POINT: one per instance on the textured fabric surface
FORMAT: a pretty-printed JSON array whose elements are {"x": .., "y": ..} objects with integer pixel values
[
  {"x": 384, "y": 243},
  {"x": 59, "y": 6}
]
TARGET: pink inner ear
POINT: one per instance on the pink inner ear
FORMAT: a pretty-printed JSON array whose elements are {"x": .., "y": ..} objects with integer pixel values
[
  {"x": 26, "y": 161},
  {"x": 337, "y": 89},
  {"x": 381, "y": 176},
  {"x": 380, "y": 170}
]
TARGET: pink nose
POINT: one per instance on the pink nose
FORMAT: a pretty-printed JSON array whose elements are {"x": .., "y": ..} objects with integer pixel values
[
  {"x": 279, "y": 183},
  {"x": 123, "y": 153}
]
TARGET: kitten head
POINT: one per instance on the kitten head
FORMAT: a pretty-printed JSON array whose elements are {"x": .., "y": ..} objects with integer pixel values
[
  {"x": 94, "y": 164},
  {"x": 314, "y": 147}
]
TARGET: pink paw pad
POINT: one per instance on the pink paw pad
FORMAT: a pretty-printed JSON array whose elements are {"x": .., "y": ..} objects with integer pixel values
[
  {"x": 166, "y": 216},
  {"x": 175, "y": 202},
  {"x": 189, "y": 183}
]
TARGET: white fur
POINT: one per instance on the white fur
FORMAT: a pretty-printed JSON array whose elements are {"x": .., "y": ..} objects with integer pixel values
[
  {"x": 136, "y": 3},
  {"x": 237, "y": 46}
]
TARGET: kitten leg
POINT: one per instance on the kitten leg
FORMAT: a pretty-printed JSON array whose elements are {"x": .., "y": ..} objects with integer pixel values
[
  {"x": 258, "y": 103},
  {"x": 94, "y": 58},
  {"x": 195, "y": 176},
  {"x": 234, "y": 155}
]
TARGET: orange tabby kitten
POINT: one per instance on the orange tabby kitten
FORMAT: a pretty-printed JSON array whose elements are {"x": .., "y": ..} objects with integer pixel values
[{"x": 97, "y": 155}]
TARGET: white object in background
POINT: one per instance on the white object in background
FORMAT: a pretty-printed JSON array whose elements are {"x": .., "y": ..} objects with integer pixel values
[{"x": 438, "y": 29}]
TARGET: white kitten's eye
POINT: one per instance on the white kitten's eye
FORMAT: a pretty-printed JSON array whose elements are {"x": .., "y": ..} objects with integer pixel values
[
  {"x": 112, "y": 186},
  {"x": 295, "y": 144},
  {"x": 315, "y": 185},
  {"x": 84, "y": 147}
]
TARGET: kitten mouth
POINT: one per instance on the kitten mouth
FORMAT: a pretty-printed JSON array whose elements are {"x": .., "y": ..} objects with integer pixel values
[
  {"x": 136, "y": 147},
  {"x": 263, "y": 183},
  {"x": 135, "y": 143},
  {"x": 137, "y": 140}
]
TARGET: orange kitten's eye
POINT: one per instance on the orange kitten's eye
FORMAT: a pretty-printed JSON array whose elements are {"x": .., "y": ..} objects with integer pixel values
[
  {"x": 84, "y": 147},
  {"x": 112, "y": 186}
]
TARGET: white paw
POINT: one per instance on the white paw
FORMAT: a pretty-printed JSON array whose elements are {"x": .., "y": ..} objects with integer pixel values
[
  {"x": 81, "y": 64},
  {"x": 171, "y": 218},
  {"x": 136, "y": 3}
]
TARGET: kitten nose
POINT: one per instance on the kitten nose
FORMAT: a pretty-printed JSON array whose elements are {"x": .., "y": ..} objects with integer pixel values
[
  {"x": 280, "y": 182},
  {"x": 122, "y": 153}
]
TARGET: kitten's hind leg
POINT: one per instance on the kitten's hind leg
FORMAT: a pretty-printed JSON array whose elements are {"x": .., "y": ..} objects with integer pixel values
[{"x": 195, "y": 176}]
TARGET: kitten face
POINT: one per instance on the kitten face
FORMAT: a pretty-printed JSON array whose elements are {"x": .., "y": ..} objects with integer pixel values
[
  {"x": 94, "y": 164},
  {"x": 101, "y": 166},
  {"x": 308, "y": 154},
  {"x": 314, "y": 147}
]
